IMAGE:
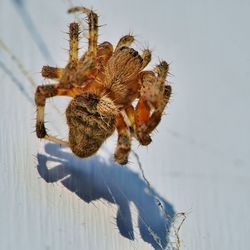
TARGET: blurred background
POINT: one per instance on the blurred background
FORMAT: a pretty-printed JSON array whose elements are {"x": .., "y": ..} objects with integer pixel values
[{"x": 198, "y": 162}]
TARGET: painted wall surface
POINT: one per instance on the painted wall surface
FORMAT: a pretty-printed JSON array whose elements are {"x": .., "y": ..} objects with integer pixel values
[{"x": 198, "y": 162}]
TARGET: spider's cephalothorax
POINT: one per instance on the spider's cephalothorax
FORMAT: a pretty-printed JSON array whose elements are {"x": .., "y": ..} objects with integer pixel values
[{"x": 104, "y": 83}]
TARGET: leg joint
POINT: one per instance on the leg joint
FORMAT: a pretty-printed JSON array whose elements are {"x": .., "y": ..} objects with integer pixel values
[{"x": 43, "y": 92}]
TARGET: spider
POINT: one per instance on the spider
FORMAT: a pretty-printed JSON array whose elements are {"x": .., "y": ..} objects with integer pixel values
[{"x": 104, "y": 83}]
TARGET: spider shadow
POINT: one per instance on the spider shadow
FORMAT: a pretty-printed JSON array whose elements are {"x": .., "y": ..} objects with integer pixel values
[{"x": 92, "y": 179}]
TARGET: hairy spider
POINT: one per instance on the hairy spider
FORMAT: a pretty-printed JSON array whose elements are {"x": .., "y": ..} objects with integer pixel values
[{"x": 104, "y": 83}]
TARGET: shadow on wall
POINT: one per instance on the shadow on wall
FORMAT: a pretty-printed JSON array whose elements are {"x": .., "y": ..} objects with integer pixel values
[{"x": 92, "y": 179}]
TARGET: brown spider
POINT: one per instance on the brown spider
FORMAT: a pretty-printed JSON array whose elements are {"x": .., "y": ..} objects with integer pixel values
[{"x": 104, "y": 83}]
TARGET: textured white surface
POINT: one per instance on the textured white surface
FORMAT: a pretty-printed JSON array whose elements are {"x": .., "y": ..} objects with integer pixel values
[{"x": 198, "y": 161}]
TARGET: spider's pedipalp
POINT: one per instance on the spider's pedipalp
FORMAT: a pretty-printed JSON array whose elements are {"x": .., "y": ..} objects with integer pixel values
[{"x": 125, "y": 41}]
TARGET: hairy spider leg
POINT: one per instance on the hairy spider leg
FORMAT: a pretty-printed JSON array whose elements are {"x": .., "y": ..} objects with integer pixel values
[
  {"x": 155, "y": 118},
  {"x": 58, "y": 73},
  {"x": 64, "y": 75},
  {"x": 42, "y": 93},
  {"x": 93, "y": 29},
  {"x": 124, "y": 141},
  {"x": 154, "y": 97},
  {"x": 52, "y": 72},
  {"x": 63, "y": 88},
  {"x": 73, "y": 43},
  {"x": 68, "y": 78},
  {"x": 87, "y": 70}
]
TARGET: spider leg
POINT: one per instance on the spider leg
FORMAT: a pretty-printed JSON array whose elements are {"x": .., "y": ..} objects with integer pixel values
[
  {"x": 73, "y": 43},
  {"x": 57, "y": 73},
  {"x": 42, "y": 93},
  {"x": 52, "y": 72},
  {"x": 124, "y": 141},
  {"x": 154, "y": 97},
  {"x": 93, "y": 28},
  {"x": 87, "y": 70}
]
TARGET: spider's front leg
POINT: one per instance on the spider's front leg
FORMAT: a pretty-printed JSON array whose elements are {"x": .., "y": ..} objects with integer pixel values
[
  {"x": 154, "y": 96},
  {"x": 86, "y": 70},
  {"x": 93, "y": 28},
  {"x": 65, "y": 87},
  {"x": 65, "y": 76}
]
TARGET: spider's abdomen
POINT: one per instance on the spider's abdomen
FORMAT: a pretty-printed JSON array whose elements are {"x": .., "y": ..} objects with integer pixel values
[{"x": 88, "y": 129}]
